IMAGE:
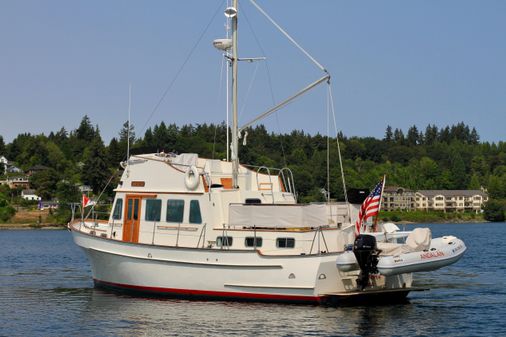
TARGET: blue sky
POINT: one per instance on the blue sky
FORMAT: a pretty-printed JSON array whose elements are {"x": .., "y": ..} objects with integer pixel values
[{"x": 397, "y": 63}]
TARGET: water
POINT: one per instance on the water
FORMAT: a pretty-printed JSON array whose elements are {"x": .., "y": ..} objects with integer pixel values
[{"x": 46, "y": 290}]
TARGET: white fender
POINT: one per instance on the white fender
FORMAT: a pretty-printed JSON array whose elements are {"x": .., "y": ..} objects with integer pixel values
[
  {"x": 191, "y": 178},
  {"x": 346, "y": 261}
]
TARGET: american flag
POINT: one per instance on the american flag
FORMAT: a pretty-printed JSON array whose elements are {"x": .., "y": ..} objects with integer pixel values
[{"x": 370, "y": 207}]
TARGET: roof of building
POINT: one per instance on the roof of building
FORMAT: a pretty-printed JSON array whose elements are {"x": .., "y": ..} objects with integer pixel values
[
  {"x": 28, "y": 192},
  {"x": 396, "y": 189},
  {"x": 452, "y": 193}
]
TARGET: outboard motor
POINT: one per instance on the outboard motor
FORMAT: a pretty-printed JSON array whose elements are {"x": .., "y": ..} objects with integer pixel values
[{"x": 366, "y": 253}]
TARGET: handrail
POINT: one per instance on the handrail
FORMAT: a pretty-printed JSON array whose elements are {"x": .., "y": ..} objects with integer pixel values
[
  {"x": 270, "y": 180},
  {"x": 288, "y": 182}
]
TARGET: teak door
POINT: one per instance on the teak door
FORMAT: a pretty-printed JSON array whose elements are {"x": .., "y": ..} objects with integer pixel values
[{"x": 132, "y": 219}]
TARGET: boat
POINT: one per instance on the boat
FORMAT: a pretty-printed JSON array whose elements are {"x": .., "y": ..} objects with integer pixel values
[
  {"x": 399, "y": 258},
  {"x": 199, "y": 228}
]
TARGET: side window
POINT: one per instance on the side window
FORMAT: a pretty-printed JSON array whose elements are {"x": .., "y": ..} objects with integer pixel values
[
  {"x": 224, "y": 241},
  {"x": 285, "y": 242},
  {"x": 130, "y": 203},
  {"x": 118, "y": 209},
  {"x": 175, "y": 210},
  {"x": 153, "y": 209},
  {"x": 136, "y": 209},
  {"x": 195, "y": 216},
  {"x": 252, "y": 241}
]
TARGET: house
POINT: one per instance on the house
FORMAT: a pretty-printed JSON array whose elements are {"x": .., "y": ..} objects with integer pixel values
[
  {"x": 9, "y": 166},
  {"x": 451, "y": 200},
  {"x": 16, "y": 181},
  {"x": 4, "y": 162},
  {"x": 398, "y": 199},
  {"x": 37, "y": 168},
  {"x": 29, "y": 195}
]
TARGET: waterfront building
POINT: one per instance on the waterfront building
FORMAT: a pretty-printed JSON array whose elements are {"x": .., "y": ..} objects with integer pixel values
[{"x": 451, "y": 200}]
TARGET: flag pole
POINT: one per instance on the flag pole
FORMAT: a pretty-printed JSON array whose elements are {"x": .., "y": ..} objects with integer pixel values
[{"x": 375, "y": 226}]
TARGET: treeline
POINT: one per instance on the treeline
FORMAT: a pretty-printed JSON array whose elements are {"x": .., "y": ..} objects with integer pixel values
[{"x": 450, "y": 157}]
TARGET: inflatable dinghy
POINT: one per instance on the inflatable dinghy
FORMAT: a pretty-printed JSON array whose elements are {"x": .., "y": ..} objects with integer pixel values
[{"x": 420, "y": 253}]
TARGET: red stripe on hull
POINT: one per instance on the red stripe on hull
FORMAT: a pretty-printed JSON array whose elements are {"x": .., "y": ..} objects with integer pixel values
[{"x": 205, "y": 294}]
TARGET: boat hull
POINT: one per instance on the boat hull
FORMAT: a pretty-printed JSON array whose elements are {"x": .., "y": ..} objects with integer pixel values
[
  {"x": 207, "y": 273},
  {"x": 211, "y": 274}
]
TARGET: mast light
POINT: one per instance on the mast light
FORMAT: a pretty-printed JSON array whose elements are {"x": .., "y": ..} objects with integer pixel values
[{"x": 230, "y": 12}]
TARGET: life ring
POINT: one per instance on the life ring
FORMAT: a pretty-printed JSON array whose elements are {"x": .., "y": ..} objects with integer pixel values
[{"x": 191, "y": 178}]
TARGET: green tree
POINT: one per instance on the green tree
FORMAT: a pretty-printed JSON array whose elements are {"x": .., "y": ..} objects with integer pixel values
[
  {"x": 95, "y": 171},
  {"x": 494, "y": 211},
  {"x": 67, "y": 193},
  {"x": 45, "y": 182},
  {"x": 2, "y": 146}
]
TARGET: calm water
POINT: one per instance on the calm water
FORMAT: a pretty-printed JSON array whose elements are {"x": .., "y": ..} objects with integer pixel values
[{"x": 46, "y": 290}]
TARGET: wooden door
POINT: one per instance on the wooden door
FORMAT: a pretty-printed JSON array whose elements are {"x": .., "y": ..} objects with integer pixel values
[{"x": 132, "y": 219}]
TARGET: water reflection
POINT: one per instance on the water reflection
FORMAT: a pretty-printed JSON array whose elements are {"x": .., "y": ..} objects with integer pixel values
[{"x": 46, "y": 290}]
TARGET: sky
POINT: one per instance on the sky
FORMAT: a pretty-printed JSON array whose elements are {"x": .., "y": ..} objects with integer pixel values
[{"x": 397, "y": 63}]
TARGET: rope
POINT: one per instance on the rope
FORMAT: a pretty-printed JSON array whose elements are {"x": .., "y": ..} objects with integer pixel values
[
  {"x": 192, "y": 50},
  {"x": 269, "y": 81},
  {"x": 288, "y": 36},
  {"x": 338, "y": 146},
  {"x": 100, "y": 195},
  {"x": 218, "y": 100}
]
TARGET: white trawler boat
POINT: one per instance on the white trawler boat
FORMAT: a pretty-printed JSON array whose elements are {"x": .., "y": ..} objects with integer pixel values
[{"x": 193, "y": 227}]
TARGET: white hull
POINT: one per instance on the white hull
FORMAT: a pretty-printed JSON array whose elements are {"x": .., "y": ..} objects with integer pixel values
[
  {"x": 221, "y": 274},
  {"x": 442, "y": 252}
]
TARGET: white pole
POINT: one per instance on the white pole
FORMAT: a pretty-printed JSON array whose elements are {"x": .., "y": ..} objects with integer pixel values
[
  {"x": 128, "y": 131},
  {"x": 235, "y": 127},
  {"x": 228, "y": 93}
]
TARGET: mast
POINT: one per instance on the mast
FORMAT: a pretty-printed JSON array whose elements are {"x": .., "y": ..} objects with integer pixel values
[{"x": 235, "y": 125}]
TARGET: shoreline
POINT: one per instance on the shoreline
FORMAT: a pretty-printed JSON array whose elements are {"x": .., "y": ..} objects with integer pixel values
[{"x": 27, "y": 226}]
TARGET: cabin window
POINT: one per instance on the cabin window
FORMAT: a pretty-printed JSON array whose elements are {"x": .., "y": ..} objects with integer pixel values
[
  {"x": 136, "y": 209},
  {"x": 195, "y": 216},
  {"x": 153, "y": 209},
  {"x": 175, "y": 210},
  {"x": 118, "y": 208},
  {"x": 224, "y": 241},
  {"x": 253, "y": 241},
  {"x": 129, "y": 213},
  {"x": 285, "y": 242}
]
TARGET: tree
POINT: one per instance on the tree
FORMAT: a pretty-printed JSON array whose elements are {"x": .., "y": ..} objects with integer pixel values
[
  {"x": 66, "y": 192},
  {"x": 389, "y": 136},
  {"x": 85, "y": 131},
  {"x": 431, "y": 134},
  {"x": 494, "y": 211},
  {"x": 2, "y": 146},
  {"x": 6, "y": 210},
  {"x": 413, "y": 136},
  {"x": 399, "y": 137},
  {"x": 115, "y": 153},
  {"x": 45, "y": 182},
  {"x": 126, "y": 136},
  {"x": 95, "y": 171}
]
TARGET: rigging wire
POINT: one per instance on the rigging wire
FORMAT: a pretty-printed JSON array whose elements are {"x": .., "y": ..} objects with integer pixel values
[
  {"x": 338, "y": 148},
  {"x": 288, "y": 36},
  {"x": 192, "y": 50},
  {"x": 328, "y": 149},
  {"x": 102, "y": 192},
  {"x": 269, "y": 81},
  {"x": 250, "y": 86},
  {"x": 219, "y": 97}
]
